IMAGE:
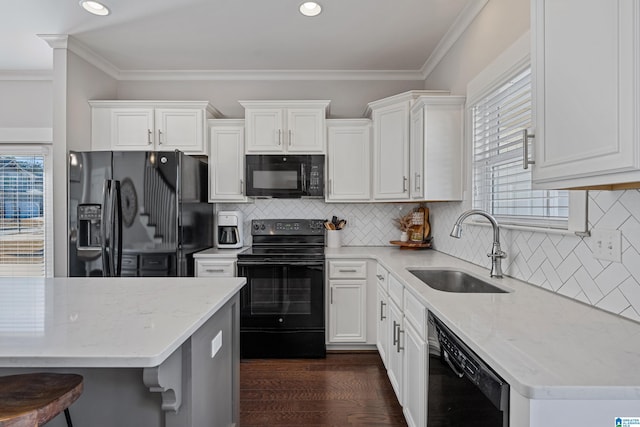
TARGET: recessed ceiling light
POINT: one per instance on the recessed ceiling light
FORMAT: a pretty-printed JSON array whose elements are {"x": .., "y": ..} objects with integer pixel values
[
  {"x": 95, "y": 7},
  {"x": 310, "y": 8}
]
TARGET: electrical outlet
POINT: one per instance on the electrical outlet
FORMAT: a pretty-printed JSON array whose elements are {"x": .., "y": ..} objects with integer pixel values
[{"x": 606, "y": 244}]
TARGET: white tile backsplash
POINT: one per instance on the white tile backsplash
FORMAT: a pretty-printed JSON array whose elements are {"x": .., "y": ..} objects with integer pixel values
[
  {"x": 368, "y": 224},
  {"x": 557, "y": 262}
]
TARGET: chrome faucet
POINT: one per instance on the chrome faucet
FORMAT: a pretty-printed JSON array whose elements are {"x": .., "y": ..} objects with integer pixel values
[{"x": 496, "y": 254}]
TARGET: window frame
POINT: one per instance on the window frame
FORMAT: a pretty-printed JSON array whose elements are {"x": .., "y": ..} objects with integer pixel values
[
  {"x": 508, "y": 64},
  {"x": 20, "y": 148}
]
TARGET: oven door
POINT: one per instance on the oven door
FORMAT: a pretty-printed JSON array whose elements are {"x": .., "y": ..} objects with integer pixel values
[{"x": 282, "y": 295}]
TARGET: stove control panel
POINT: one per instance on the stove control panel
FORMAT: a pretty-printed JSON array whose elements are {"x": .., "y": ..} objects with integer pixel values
[{"x": 283, "y": 227}]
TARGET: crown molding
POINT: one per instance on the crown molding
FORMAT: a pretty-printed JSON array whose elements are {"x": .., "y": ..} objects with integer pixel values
[
  {"x": 459, "y": 26},
  {"x": 64, "y": 41},
  {"x": 270, "y": 75},
  {"x": 20, "y": 75}
]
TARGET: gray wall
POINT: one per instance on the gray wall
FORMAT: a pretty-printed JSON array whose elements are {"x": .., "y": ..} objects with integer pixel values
[
  {"x": 26, "y": 103},
  {"x": 348, "y": 98}
]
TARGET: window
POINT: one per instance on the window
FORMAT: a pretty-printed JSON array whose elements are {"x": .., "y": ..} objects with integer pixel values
[
  {"x": 501, "y": 186},
  {"x": 25, "y": 222}
]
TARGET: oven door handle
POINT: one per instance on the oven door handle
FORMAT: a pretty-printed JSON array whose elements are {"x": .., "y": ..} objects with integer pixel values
[{"x": 266, "y": 263}]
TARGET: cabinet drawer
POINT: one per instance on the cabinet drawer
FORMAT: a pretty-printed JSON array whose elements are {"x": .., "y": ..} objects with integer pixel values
[
  {"x": 415, "y": 313},
  {"x": 382, "y": 276},
  {"x": 154, "y": 262},
  {"x": 395, "y": 290},
  {"x": 129, "y": 262},
  {"x": 221, "y": 268},
  {"x": 347, "y": 269}
]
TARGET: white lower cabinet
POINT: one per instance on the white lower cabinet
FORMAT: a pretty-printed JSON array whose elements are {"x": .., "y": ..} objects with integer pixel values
[
  {"x": 215, "y": 267},
  {"x": 395, "y": 354},
  {"x": 347, "y": 318},
  {"x": 382, "y": 312},
  {"x": 402, "y": 344},
  {"x": 416, "y": 362},
  {"x": 347, "y": 301}
]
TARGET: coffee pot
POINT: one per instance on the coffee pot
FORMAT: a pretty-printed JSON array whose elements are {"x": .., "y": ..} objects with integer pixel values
[{"x": 229, "y": 229}]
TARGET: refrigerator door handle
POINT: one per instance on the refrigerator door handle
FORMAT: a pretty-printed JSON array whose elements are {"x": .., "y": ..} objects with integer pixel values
[
  {"x": 117, "y": 227},
  {"x": 105, "y": 228}
]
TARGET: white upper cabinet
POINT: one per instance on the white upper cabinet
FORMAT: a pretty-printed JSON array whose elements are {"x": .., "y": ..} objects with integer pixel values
[
  {"x": 226, "y": 160},
  {"x": 274, "y": 127},
  {"x": 150, "y": 125},
  {"x": 391, "y": 152},
  {"x": 436, "y": 138},
  {"x": 348, "y": 160},
  {"x": 393, "y": 155},
  {"x": 586, "y": 70}
]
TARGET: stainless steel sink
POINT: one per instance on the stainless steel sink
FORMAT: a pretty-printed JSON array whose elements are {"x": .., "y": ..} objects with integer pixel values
[{"x": 454, "y": 281}]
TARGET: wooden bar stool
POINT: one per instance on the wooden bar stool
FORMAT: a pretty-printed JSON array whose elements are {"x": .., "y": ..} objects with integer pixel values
[{"x": 30, "y": 400}]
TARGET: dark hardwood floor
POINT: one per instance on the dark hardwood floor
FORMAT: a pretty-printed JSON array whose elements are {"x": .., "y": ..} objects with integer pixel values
[{"x": 345, "y": 389}]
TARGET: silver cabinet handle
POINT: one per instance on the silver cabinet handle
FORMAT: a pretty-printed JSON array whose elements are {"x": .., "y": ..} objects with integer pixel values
[
  {"x": 382, "y": 316},
  {"x": 353, "y": 270},
  {"x": 399, "y": 348},
  {"x": 525, "y": 149},
  {"x": 396, "y": 327},
  {"x": 290, "y": 137},
  {"x": 149, "y": 133},
  {"x": 241, "y": 186},
  {"x": 215, "y": 270},
  {"x": 417, "y": 181},
  {"x": 159, "y": 137},
  {"x": 279, "y": 136},
  {"x": 404, "y": 184},
  {"x": 331, "y": 295}
]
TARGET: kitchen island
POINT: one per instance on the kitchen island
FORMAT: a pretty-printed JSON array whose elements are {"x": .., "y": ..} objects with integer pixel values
[
  {"x": 567, "y": 363},
  {"x": 153, "y": 351}
]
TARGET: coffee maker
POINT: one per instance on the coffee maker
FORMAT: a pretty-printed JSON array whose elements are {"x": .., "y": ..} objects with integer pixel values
[{"x": 229, "y": 230}]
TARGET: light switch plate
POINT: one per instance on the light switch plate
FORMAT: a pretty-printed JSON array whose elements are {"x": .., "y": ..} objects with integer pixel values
[{"x": 606, "y": 244}]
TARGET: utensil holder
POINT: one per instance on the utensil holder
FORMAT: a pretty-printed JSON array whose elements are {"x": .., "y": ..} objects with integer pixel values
[{"x": 333, "y": 239}]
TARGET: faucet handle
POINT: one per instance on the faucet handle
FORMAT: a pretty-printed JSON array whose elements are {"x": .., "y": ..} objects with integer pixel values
[{"x": 497, "y": 254}]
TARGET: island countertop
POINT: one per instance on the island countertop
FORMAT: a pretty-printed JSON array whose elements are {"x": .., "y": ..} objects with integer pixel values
[{"x": 104, "y": 322}]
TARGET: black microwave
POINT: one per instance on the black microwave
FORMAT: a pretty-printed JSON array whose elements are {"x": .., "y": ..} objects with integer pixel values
[{"x": 286, "y": 177}]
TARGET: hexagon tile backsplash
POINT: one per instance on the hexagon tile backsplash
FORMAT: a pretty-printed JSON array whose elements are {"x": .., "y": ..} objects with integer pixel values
[{"x": 560, "y": 263}]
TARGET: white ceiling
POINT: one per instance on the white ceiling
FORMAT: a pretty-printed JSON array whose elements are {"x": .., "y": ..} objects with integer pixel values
[{"x": 246, "y": 35}]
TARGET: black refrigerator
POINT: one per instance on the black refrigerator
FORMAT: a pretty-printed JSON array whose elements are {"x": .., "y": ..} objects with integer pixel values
[{"x": 137, "y": 213}]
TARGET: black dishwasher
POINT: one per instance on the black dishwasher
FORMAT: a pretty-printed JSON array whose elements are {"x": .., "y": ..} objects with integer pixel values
[{"x": 463, "y": 390}]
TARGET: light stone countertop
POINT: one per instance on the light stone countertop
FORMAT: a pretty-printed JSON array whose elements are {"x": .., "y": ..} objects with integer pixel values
[
  {"x": 104, "y": 322},
  {"x": 546, "y": 346},
  {"x": 213, "y": 253}
]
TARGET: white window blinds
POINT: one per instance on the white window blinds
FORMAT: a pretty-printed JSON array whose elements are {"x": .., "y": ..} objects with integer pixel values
[
  {"x": 501, "y": 185},
  {"x": 23, "y": 238}
]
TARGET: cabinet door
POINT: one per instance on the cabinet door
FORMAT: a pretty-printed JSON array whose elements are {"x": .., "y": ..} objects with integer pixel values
[
  {"x": 416, "y": 163},
  {"x": 395, "y": 351},
  {"x": 226, "y": 164},
  {"x": 382, "y": 334},
  {"x": 347, "y": 311},
  {"x": 391, "y": 152},
  {"x": 586, "y": 99},
  {"x": 305, "y": 130},
  {"x": 132, "y": 129},
  {"x": 265, "y": 130},
  {"x": 348, "y": 163},
  {"x": 180, "y": 129},
  {"x": 416, "y": 359}
]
